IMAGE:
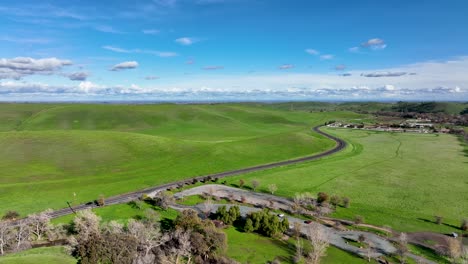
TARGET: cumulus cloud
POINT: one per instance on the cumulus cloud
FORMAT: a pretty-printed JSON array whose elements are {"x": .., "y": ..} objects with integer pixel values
[
  {"x": 340, "y": 67},
  {"x": 162, "y": 54},
  {"x": 125, "y": 66},
  {"x": 374, "y": 44},
  {"x": 327, "y": 57},
  {"x": 312, "y": 51},
  {"x": 19, "y": 67},
  {"x": 384, "y": 74},
  {"x": 78, "y": 76},
  {"x": 286, "y": 66},
  {"x": 186, "y": 41},
  {"x": 214, "y": 67}
]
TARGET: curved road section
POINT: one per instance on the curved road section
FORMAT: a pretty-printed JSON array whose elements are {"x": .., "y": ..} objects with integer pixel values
[{"x": 124, "y": 198}]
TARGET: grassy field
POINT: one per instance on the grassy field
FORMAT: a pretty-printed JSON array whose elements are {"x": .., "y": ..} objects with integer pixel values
[
  {"x": 49, "y": 152},
  {"x": 49, "y": 255},
  {"x": 400, "y": 180}
]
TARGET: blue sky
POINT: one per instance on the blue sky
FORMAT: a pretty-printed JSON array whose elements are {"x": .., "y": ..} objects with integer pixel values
[{"x": 233, "y": 50}]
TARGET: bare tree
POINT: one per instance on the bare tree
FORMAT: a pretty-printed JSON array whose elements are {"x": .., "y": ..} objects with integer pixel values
[
  {"x": 40, "y": 224},
  {"x": 255, "y": 184},
  {"x": 6, "y": 236},
  {"x": 299, "y": 250},
  {"x": 272, "y": 188},
  {"x": 207, "y": 207},
  {"x": 241, "y": 183},
  {"x": 113, "y": 227},
  {"x": 319, "y": 240},
  {"x": 22, "y": 233},
  {"x": 297, "y": 229},
  {"x": 164, "y": 199},
  {"x": 148, "y": 236},
  {"x": 454, "y": 249},
  {"x": 402, "y": 247},
  {"x": 86, "y": 223},
  {"x": 370, "y": 251}
]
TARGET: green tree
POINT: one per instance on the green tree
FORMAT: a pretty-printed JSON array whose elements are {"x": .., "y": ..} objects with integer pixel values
[{"x": 249, "y": 228}]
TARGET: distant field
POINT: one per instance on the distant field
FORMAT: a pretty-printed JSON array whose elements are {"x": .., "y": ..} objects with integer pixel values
[
  {"x": 49, "y": 152},
  {"x": 400, "y": 180}
]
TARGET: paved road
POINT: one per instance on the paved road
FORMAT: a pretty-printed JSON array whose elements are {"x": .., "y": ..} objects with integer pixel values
[{"x": 124, "y": 198}]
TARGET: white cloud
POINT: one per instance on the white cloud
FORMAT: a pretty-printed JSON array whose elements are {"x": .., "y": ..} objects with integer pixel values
[
  {"x": 107, "y": 29},
  {"x": 186, "y": 41},
  {"x": 312, "y": 52},
  {"x": 434, "y": 80},
  {"x": 77, "y": 76},
  {"x": 374, "y": 44},
  {"x": 354, "y": 49},
  {"x": 162, "y": 54},
  {"x": 327, "y": 57},
  {"x": 125, "y": 66},
  {"x": 286, "y": 66},
  {"x": 151, "y": 77},
  {"x": 19, "y": 67},
  {"x": 340, "y": 67},
  {"x": 384, "y": 74}
]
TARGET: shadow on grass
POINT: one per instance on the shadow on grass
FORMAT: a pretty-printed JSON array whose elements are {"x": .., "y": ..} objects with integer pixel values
[{"x": 167, "y": 224}]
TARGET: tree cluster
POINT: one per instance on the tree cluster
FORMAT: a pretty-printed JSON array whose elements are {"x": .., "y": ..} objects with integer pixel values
[
  {"x": 228, "y": 216},
  {"x": 17, "y": 235},
  {"x": 265, "y": 223},
  {"x": 192, "y": 240}
]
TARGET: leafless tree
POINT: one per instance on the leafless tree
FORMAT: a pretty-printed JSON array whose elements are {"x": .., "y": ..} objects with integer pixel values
[
  {"x": 255, "y": 184},
  {"x": 148, "y": 236},
  {"x": 369, "y": 249},
  {"x": 6, "y": 236},
  {"x": 22, "y": 232},
  {"x": 40, "y": 224},
  {"x": 241, "y": 183},
  {"x": 319, "y": 240},
  {"x": 164, "y": 199},
  {"x": 454, "y": 249},
  {"x": 207, "y": 207},
  {"x": 297, "y": 229},
  {"x": 86, "y": 223},
  {"x": 272, "y": 188},
  {"x": 299, "y": 250},
  {"x": 402, "y": 247},
  {"x": 113, "y": 227}
]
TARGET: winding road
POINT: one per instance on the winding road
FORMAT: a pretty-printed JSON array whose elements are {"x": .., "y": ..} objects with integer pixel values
[{"x": 127, "y": 197}]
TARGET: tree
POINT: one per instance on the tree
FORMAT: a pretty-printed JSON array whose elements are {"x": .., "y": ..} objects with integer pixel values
[
  {"x": 255, "y": 184},
  {"x": 438, "y": 219},
  {"x": 402, "y": 247},
  {"x": 40, "y": 224},
  {"x": 207, "y": 207},
  {"x": 358, "y": 219},
  {"x": 164, "y": 199},
  {"x": 464, "y": 225},
  {"x": 346, "y": 202},
  {"x": 335, "y": 200},
  {"x": 22, "y": 232},
  {"x": 299, "y": 250},
  {"x": 241, "y": 183},
  {"x": 297, "y": 229},
  {"x": 322, "y": 197},
  {"x": 454, "y": 249},
  {"x": 319, "y": 241},
  {"x": 6, "y": 236},
  {"x": 85, "y": 224},
  {"x": 272, "y": 188},
  {"x": 147, "y": 236},
  {"x": 369, "y": 249},
  {"x": 101, "y": 201},
  {"x": 10, "y": 215},
  {"x": 248, "y": 227}
]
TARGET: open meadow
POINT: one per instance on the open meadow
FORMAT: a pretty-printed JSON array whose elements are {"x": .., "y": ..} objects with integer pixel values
[
  {"x": 49, "y": 152},
  {"x": 394, "y": 179}
]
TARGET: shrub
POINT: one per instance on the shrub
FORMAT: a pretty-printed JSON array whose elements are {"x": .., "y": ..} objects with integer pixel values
[
  {"x": 358, "y": 219},
  {"x": 438, "y": 219},
  {"x": 322, "y": 197},
  {"x": 346, "y": 202},
  {"x": 10, "y": 215},
  {"x": 464, "y": 225},
  {"x": 101, "y": 201},
  {"x": 241, "y": 183},
  {"x": 335, "y": 200}
]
